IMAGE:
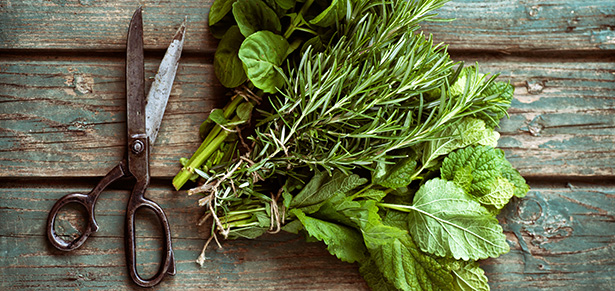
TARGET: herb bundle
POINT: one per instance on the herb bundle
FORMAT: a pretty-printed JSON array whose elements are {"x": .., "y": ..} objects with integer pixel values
[{"x": 350, "y": 126}]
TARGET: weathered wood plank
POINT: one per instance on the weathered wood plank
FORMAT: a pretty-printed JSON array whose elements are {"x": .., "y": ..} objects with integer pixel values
[
  {"x": 502, "y": 25},
  {"x": 65, "y": 117},
  {"x": 272, "y": 262},
  {"x": 61, "y": 117},
  {"x": 563, "y": 114},
  {"x": 528, "y": 25},
  {"x": 559, "y": 236}
]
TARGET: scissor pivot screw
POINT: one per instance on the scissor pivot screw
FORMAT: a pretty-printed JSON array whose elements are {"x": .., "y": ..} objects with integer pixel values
[{"x": 137, "y": 146}]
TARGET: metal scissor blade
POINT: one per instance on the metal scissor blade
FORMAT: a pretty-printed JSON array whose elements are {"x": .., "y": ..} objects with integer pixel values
[
  {"x": 135, "y": 81},
  {"x": 161, "y": 87},
  {"x": 138, "y": 155}
]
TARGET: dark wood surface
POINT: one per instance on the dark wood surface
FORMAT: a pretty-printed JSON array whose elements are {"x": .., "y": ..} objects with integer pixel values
[{"x": 62, "y": 122}]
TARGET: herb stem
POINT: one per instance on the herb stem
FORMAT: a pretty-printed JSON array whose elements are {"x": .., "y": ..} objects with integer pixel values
[
  {"x": 236, "y": 212},
  {"x": 296, "y": 22},
  {"x": 398, "y": 207},
  {"x": 241, "y": 223},
  {"x": 207, "y": 148}
]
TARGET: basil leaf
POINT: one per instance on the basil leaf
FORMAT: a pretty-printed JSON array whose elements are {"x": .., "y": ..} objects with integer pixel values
[
  {"x": 286, "y": 4},
  {"x": 217, "y": 116},
  {"x": 262, "y": 53},
  {"x": 447, "y": 222},
  {"x": 331, "y": 15},
  {"x": 255, "y": 15},
  {"x": 227, "y": 65},
  {"x": 218, "y": 10}
]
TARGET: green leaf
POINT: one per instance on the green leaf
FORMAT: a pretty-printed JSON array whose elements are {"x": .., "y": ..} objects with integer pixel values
[
  {"x": 499, "y": 93},
  {"x": 315, "y": 43},
  {"x": 400, "y": 174},
  {"x": 483, "y": 164},
  {"x": 513, "y": 176},
  {"x": 339, "y": 209},
  {"x": 447, "y": 222},
  {"x": 255, "y": 15},
  {"x": 465, "y": 78},
  {"x": 244, "y": 111},
  {"x": 375, "y": 233},
  {"x": 227, "y": 65},
  {"x": 397, "y": 259},
  {"x": 499, "y": 193},
  {"x": 286, "y": 4},
  {"x": 294, "y": 226},
  {"x": 470, "y": 131},
  {"x": 407, "y": 268},
  {"x": 372, "y": 194},
  {"x": 470, "y": 277},
  {"x": 262, "y": 53},
  {"x": 331, "y": 15},
  {"x": 218, "y": 10},
  {"x": 322, "y": 187},
  {"x": 217, "y": 116},
  {"x": 373, "y": 277},
  {"x": 342, "y": 241}
]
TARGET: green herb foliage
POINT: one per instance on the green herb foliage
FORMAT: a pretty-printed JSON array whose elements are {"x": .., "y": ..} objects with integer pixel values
[{"x": 369, "y": 138}]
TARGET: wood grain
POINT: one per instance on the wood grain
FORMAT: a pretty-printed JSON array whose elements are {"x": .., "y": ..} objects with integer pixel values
[
  {"x": 62, "y": 125},
  {"x": 559, "y": 236},
  {"x": 501, "y": 25},
  {"x": 63, "y": 117}
]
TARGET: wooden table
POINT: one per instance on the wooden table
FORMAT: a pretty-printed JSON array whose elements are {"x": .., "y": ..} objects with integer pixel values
[{"x": 62, "y": 122}]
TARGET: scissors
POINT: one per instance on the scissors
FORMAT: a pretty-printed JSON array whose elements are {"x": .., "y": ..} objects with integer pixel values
[{"x": 143, "y": 122}]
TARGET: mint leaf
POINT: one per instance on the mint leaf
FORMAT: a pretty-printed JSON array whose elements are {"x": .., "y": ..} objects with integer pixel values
[
  {"x": 447, "y": 222},
  {"x": 482, "y": 163},
  {"x": 470, "y": 131},
  {"x": 470, "y": 277},
  {"x": 339, "y": 209},
  {"x": 344, "y": 242},
  {"x": 374, "y": 278},
  {"x": 498, "y": 194},
  {"x": 513, "y": 176},
  {"x": 408, "y": 268},
  {"x": 397, "y": 259},
  {"x": 484, "y": 173}
]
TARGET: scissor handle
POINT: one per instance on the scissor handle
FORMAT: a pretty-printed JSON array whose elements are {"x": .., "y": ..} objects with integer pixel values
[
  {"x": 86, "y": 200},
  {"x": 167, "y": 265}
]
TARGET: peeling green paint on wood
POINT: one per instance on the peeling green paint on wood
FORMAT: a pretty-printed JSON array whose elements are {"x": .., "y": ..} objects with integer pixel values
[
  {"x": 501, "y": 25},
  {"x": 559, "y": 237},
  {"x": 50, "y": 121}
]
